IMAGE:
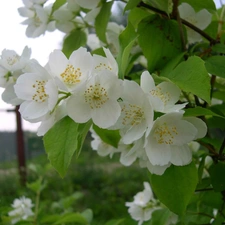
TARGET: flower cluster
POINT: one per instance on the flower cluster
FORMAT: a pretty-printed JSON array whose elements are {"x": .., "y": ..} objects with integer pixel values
[
  {"x": 86, "y": 87},
  {"x": 21, "y": 209}
]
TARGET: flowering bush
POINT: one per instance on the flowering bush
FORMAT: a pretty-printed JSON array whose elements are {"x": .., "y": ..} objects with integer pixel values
[{"x": 145, "y": 89}]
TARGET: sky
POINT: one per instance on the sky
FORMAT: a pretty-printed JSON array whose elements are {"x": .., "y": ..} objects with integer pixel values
[{"x": 12, "y": 36}]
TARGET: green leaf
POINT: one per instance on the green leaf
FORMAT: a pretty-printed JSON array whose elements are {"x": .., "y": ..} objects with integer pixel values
[
  {"x": 176, "y": 186},
  {"x": 199, "y": 111},
  {"x": 131, "y": 4},
  {"x": 115, "y": 222},
  {"x": 126, "y": 40},
  {"x": 216, "y": 65},
  {"x": 159, "y": 40},
  {"x": 37, "y": 185},
  {"x": 217, "y": 172},
  {"x": 161, "y": 217},
  {"x": 62, "y": 140},
  {"x": 191, "y": 76},
  {"x": 72, "y": 218},
  {"x": 73, "y": 41},
  {"x": 199, "y": 5},
  {"x": 220, "y": 48},
  {"x": 57, "y": 4},
  {"x": 136, "y": 15},
  {"x": 102, "y": 20},
  {"x": 159, "y": 4},
  {"x": 88, "y": 215},
  {"x": 111, "y": 137},
  {"x": 50, "y": 218}
]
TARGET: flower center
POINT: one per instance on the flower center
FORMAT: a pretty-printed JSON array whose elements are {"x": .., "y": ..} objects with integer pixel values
[
  {"x": 40, "y": 94},
  {"x": 165, "y": 135},
  {"x": 96, "y": 96},
  {"x": 12, "y": 60},
  {"x": 71, "y": 75},
  {"x": 157, "y": 92},
  {"x": 133, "y": 114},
  {"x": 103, "y": 66}
]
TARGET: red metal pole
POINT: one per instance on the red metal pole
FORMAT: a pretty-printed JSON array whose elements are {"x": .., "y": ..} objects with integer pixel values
[{"x": 20, "y": 148}]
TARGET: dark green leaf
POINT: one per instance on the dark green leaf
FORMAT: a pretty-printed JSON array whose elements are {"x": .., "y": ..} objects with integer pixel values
[
  {"x": 73, "y": 41},
  {"x": 126, "y": 39},
  {"x": 220, "y": 48},
  {"x": 131, "y": 4},
  {"x": 111, "y": 137},
  {"x": 62, "y": 140},
  {"x": 191, "y": 76},
  {"x": 199, "y": 111},
  {"x": 159, "y": 40},
  {"x": 216, "y": 65},
  {"x": 217, "y": 172},
  {"x": 163, "y": 5},
  {"x": 102, "y": 20},
  {"x": 176, "y": 186}
]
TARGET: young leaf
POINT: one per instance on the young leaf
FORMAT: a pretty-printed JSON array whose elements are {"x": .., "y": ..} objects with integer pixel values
[
  {"x": 102, "y": 19},
  {"x": 73, "y": 41},
  {"x": 175, "y": 187},
  {"x": 126, "y": 39},
  {"x": 62, "y": 140},
  {"x": 191, "y": 76},
  {"x": 160, "y": 41},
  {"x": 111, "y": 137},
  {"x": 216, "y": 65}
]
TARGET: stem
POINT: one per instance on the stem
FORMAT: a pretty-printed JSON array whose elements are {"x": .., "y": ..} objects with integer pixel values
[{"x": 164, "y": 14}]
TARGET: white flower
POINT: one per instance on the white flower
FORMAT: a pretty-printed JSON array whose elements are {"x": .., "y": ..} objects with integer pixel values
[
  {"x": 200, "y": 19},
  {"x": 136, "y": 115},
  {"x": 70, "y": 72},
  {"x": 167, "y": 141},
  {"x": 97, "y": 100},
  {"x": 39, "y": 22},
  {"x": 143, "y": 205},
  {"x": 163, "y": 96},
  {"x": 22, "y": 209},
  {"x": 105, "y": 63},
  {"x": 38, "y": 91},
  {"x": 166, "y": 133}
]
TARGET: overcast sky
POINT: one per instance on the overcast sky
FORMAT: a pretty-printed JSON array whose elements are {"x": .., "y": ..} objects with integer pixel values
[{"x": 12, "y": 36}]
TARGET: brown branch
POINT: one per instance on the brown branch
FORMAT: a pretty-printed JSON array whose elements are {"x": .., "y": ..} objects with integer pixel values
[{"x": 164, "y": 14}]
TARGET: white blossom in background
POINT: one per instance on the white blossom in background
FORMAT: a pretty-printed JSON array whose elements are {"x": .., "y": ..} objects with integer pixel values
[
  {"x": 136, "y": 114},
  {"x": 38, "y": 22},
  {"x": 167, "y": 141},
  {"x": 163, "y": 96},
  {"x": 70, "y": 72},
  {"x": 96, "y": 99},
  {"x": 12, "y": 66},
  {"x": 143, "y": 206},
  {"x": 199, "y": 19},
  {"x": 22, "y": 209},
  {"x": 87, "y": 4},
  {"x": 38, "y": 91}
]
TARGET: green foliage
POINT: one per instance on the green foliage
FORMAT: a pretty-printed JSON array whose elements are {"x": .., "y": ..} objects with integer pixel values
[
  {"x": 73, "y": 41},
  {"x": 159, "y": 4},
  {"x": 111, "y": 137},
  {"x": 198, "y": 5},
  {"x": 102, "y": 20},
  {"x": 57, "y": 4},
  {"x": 60, "y": 145},
  {"x": 159, "y": 40},
  {"x": 179, "y": 183},
  {"x": 216, "y": 65},
  {"x": 191, "y": 76}
]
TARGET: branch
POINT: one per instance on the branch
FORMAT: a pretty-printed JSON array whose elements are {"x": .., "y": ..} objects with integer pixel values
[{"x": 164, "y": 14}]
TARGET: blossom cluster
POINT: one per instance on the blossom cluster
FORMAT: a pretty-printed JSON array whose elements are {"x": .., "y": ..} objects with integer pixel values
[
  {"x": 21, "y": 209},
  {"x": 73, "y": 15},
  {"x": 86, "y": 87}
]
